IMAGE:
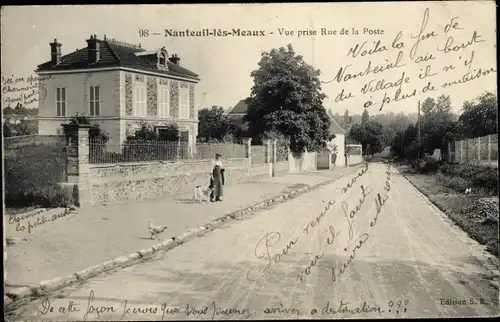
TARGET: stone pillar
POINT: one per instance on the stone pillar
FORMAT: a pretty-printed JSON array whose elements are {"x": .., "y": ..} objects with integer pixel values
[
  {"x": 248, "y": 147},
  {"x": 267, "y": 156},
  {"x": 267, "y": 151},
  {"x": 274, "y": 149},
  {"x": 248, "y": 151},
  {"x": 77, "y": 163},
  {"x": 291, "y": 161}
]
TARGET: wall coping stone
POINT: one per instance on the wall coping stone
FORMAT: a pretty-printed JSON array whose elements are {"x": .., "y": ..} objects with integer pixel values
[{"x": 147, "y": 163}]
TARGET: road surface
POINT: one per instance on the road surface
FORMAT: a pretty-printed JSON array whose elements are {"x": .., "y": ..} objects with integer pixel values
[{"x": 338, "y": 252}]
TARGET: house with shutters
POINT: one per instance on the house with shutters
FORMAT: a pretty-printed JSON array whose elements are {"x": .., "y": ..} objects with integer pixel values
[{"x": 118, "y": 86}]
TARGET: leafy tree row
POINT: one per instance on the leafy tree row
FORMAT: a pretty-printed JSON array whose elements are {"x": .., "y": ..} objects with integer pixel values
[{"x": 439, "y": 126}]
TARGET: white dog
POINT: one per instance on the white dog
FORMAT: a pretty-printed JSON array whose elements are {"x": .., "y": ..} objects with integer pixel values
[
  {"x": 202, "y": 193},
  {"x": 468, "y": 191}
]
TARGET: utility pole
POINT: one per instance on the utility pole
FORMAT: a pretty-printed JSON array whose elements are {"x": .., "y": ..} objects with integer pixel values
[{"x": 418, "y": 133}]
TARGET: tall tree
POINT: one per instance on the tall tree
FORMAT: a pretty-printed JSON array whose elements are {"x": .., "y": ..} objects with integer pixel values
[
  {"x": 365, "y": 117},
  {"x": 480, "y": 116},
  {"x": 387, "y": 136},
  {"x": 427, "y": 105},
  {"x": 286, "y": 97},
  {"x": 346, "y": 118},
  {"x": 212, "y": 124},
  {"x": 404, "y": 144},
  {"x": 369, "y": 135}
]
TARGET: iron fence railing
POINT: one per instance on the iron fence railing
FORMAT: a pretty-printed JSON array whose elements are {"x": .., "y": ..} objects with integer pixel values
[{"x": 135, "y": 151}]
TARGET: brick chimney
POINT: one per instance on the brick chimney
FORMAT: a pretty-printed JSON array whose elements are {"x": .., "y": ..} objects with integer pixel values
[
  {"x": 175, "y": 59},
  {"x": 94, "y": 53},
  {"x": 55, "y": 52}
]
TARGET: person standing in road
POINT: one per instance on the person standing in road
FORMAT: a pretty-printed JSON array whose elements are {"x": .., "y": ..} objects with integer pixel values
[{"x": 217, "y": 178}]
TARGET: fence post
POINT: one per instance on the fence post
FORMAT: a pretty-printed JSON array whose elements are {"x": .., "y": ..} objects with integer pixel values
[
  {"x": 479, "y": 150},
  {"x": 77, "y": 162},
  {"x": 267, "y": 151},
  {"x": 467, "y": 150},
  {"x": 178, "y": 155},
  {"x": 489, "y": 149},
  {"x": 461, "y": 151},
  {"x": 248, "y": 151}
]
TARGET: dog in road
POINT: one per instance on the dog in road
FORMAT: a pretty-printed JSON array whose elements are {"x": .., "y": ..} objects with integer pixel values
[{"x": 202, "y": 193}]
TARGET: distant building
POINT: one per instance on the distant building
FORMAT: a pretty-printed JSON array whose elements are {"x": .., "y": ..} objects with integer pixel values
[
  {"x": 339, "y": 140},
  {"x": 239, "y": 110},
  {"x": 117, "y": 85},
  {"x": 236, "y": 114}
]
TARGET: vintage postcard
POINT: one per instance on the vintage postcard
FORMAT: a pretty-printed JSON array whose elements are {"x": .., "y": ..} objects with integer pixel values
[{"x": 250, "y": 161}]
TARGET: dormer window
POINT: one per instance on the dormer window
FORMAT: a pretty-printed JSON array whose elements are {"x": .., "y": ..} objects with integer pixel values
[{"x": 163, "y": 59}]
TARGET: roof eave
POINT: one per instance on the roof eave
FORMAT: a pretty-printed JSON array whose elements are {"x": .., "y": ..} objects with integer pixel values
[{"x": 48, "y": 70}]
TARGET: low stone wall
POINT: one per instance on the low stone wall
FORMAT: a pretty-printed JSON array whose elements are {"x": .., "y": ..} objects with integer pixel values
[
  {"x": 281, "y": 167},
  {"x": 259, "y": 170},
  {"x": 149, "y": 180},
  {"x": 96, "y": 184},
  {"x": 324, "y": 160},
  {"x": 303, "y": 162},
  {"x": 354, "y": 159}
]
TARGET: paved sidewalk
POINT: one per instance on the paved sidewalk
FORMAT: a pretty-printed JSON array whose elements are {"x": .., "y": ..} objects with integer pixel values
[{"x": 93, "y": 236}]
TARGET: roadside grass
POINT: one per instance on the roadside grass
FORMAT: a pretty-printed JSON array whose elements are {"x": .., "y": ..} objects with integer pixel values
[
  {"x": 20, "y": 210},
  {"x": 468, "y": 212}
]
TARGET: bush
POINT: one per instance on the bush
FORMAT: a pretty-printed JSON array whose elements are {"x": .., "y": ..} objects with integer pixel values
[
  {"x": 456, "y": 183},
  {"x": 427, "y": 165},
  {"x": 486, "y": 179},
  {"x": 477, "y": 176},
  {"x": 32, "y": 173}
]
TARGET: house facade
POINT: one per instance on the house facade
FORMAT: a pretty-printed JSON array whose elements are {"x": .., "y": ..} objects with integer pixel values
[
  {"x": 338, "y": 140},
  {"x": 118, "y": 86}
]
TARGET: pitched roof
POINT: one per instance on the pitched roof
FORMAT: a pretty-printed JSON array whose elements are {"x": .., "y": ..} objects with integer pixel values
[
  {"x": 240, "y": 108},
  {"x": 335, "y": 128},
  {"x": 115, "y": 55}
]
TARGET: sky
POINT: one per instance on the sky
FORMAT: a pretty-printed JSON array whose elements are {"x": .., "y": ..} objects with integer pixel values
[{"x": 224, "y": 64}]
